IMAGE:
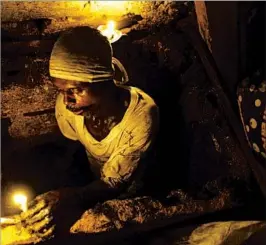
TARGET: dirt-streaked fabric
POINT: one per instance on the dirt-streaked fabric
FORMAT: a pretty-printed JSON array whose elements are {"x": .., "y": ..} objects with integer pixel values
[
  {"x": 224, "y": 233},
  {"x": 83, "y": 54},
  {"x": 116, "y": 157}
]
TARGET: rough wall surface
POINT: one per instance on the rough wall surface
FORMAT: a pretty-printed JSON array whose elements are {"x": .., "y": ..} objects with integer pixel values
[
  {"x": 203, "y": 23},
  {"x": 93, "y": 10},
  {"x": 62, "y": 14}
]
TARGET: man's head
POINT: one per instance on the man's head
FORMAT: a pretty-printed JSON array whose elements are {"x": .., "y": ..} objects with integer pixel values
[
  {"x": 81, "y": 66},
  {"x": 80, "y": 97}
]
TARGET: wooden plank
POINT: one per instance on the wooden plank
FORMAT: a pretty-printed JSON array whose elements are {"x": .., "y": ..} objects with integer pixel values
[
  {"x": 222, "y": 37},
  {"x": 27, "y": 48},
  {"x": 203, "y": 22}
]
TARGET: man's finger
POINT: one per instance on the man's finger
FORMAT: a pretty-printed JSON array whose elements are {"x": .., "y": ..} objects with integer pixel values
[
  {"x": 32, "y": 211},
  {"x": 47, "y": 233},
  {"x": 35, "y": 201},
  {"x": 38, "y": 217},
  {"x": 42, "y": 225}
]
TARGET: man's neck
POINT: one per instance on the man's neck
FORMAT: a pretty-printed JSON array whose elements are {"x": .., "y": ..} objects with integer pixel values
[
  {"x": 115, "y": 104},
  {"x": 107, "y": 115}
]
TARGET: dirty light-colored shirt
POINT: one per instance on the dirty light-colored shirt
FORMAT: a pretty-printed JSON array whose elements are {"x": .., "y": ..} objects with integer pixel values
[{"x": 116, "y": 158}]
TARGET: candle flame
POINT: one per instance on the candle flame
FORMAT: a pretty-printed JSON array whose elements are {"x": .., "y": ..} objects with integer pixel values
[
  {"x": 109, "y": 30},
  {"x": 111, "y": 26},
  {"x": 21, "y": 201}
]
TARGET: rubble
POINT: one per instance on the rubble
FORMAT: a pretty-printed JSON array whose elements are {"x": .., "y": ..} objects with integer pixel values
[{"x": 117, "y": 215}]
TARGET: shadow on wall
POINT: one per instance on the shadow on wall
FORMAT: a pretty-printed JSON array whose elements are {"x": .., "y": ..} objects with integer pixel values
[
  {"x": 195, "y": 147},
  {"x": 156, "y": 63}
]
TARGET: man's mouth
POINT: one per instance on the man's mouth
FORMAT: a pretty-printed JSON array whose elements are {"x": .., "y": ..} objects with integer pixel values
[{"x": 77, "y": 111}]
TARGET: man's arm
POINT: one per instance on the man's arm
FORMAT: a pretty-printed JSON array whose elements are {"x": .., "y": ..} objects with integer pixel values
[
  {"x": 120, "y": 170},
  {"x": 117, "y": 173},
  {"x": 97, "y": 191},
  {"x": 48, "y": 210}
]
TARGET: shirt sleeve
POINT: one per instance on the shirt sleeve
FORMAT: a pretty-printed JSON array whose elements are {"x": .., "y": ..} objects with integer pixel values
[
  {"x": 137, "y": 139},
  {"x": 64, "y": 119}
]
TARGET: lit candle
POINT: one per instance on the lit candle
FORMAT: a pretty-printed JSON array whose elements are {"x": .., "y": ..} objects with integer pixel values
[
  {"x": 110, "y": 32},
  {"x": 21, "y": 201}
]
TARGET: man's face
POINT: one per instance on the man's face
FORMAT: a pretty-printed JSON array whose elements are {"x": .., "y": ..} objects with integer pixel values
[{"x": 78, "y": 96}]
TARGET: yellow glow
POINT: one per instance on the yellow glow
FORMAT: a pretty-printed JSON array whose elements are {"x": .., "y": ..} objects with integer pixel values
[
  {"x": 110, "y": 32},
  {"x": 76, "y": 4},
  {"x": 21, "y": 200},
  {"x": 80, "y": 3},
  {"x": 110, "y": 7},
  {"x": 109, "y": 29},
  {"x": 111, "y": 26},
  {"x": 4, "y": 220}
]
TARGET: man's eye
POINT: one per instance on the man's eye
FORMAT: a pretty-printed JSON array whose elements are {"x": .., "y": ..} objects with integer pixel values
[{"x": 76, "y": 90}]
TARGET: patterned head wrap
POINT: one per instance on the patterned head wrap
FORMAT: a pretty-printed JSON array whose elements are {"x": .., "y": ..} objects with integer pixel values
[{"x": 83, "y": 54}]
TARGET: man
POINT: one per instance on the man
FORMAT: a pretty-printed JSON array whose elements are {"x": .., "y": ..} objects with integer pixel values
[{"x": 116, "y": 124}]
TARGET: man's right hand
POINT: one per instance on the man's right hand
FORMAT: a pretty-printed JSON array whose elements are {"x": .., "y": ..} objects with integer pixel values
[{"x": 52, "y": 212}]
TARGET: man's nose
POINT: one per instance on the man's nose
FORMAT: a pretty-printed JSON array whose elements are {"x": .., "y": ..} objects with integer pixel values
[{"x": 68, "y": 99}]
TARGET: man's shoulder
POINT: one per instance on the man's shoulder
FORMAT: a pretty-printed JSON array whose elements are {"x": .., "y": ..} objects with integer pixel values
[
  {"x": 145, "y": 113},
  {"x": 60, "y": 107},
  {"x": 59, "y": 100},
  {"x": 65, "y": 120},
  {"x": 145, "y": 102},
  {"x": 144, "y": 99}
]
